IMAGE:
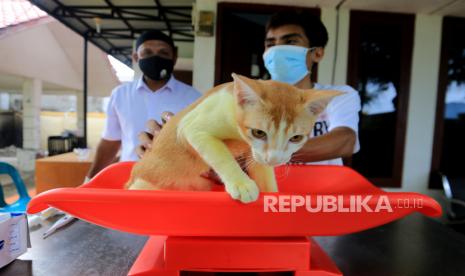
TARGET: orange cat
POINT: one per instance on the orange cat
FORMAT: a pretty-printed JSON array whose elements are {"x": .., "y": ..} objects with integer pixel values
[{"x": 263, "y": 122}]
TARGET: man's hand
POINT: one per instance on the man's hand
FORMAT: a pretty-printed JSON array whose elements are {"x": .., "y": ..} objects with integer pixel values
[
  {"x": 153, "y": 129},
  {"x": 337, "y": 143}
]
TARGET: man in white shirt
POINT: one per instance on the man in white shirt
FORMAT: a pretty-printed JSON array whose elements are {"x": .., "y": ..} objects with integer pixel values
[
  {"x": 132, "y": 104},
  {"x": 294, "y": 44}
]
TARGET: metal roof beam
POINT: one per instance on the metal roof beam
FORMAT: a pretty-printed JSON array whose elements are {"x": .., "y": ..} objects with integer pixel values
[
  {"x": 110, "y": 36},
  {"x": 139, "y": 14},
  {"x": 180, "y": 14},
  {"x": 139, "y": 30},
  {"x": 116, "y": 10},
  {"x": 162, "y": 14},
  {"x": 90, "y": 15},
  {"x": 89, "y": 28},
  {"x": 101, "y": 7},
  {"x": 168, "y": 11},
  {"x": 76, "y": 17}
]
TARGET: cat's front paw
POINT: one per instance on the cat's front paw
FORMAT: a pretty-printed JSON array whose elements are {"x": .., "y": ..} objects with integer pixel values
[{"x": 246, "y": 191}]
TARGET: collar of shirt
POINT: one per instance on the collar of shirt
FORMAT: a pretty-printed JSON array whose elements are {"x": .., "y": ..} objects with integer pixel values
[{"x": 142, "y": 86}]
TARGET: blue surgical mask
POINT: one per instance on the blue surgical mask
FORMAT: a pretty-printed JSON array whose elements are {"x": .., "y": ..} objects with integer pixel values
[{"x": 287, "y": 63}]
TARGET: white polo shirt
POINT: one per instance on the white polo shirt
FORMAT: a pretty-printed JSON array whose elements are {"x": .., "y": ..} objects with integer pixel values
[{"x": 132, "y": 104}]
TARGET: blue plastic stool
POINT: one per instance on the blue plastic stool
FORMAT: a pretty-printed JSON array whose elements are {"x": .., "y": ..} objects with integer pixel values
[{"x": 24, "y": 198}]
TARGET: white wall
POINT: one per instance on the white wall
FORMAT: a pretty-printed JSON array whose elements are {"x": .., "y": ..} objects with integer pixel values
[
  {"x": 203, "y": 74},
  {"x": 422, "y": 102},
  {"x": 333, "y": 67},
  {"x": 32, "y": 93}
]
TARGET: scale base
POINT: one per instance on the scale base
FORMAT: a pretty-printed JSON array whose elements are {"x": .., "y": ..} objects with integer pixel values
[{"x": 168, "y": 256}]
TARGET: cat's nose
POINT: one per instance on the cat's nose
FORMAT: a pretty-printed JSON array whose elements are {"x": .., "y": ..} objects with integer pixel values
[
  {"x": 273, "y": 163},
  {"x": 273, "y": 158}
]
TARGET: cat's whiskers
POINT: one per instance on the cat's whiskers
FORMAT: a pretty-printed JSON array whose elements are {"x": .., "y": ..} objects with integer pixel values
[
  {"x": 248, "y": 164},
  {"x": 287, "y": 169}
]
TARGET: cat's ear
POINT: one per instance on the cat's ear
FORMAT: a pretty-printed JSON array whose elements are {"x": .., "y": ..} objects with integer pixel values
[
  {"x": 317, "y": 100},
  {"x": 243, "y": 92}
]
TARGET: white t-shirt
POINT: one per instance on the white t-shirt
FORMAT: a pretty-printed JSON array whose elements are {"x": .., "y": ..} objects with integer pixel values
[
  {"x": 342, "y": 111},
  {"x": 132, "y": 104}
]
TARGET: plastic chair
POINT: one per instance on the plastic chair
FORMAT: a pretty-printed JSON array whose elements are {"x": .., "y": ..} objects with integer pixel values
[
  {"x": 454, "y": 192},
  {"x": 21, "y": 204},
  {"x": 232, "y": 237}
]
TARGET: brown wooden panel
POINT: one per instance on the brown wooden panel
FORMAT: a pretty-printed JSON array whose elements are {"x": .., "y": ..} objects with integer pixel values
[
  {"x": 452, "y": 30},
  {"x": 404, "y": 25},
  {"x": 183, "y": 76},
  {"x": 63, "y": 170}
]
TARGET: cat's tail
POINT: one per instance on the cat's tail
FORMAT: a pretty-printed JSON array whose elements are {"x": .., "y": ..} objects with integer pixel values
[
  {"x": 135, "y": 181},
  {"x": 139, "y": 184}
]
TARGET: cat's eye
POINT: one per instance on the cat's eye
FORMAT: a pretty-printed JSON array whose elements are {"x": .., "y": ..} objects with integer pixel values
[
  {"x": 259, "y": 134},
  {"x": 296, "y": 138}
]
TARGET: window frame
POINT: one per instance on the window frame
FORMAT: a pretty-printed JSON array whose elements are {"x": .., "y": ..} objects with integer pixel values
[
  {"x": 357, "y": 18},
  {"x": 449, "y": 26}
]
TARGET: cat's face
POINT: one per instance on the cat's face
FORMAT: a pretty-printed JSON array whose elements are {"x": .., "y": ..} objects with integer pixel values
[{"x": 275, "y": 118}]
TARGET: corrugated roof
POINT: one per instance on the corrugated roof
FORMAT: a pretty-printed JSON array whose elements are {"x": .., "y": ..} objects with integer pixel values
[
  {"x": 14, "y": 12},
  {"x": 112, "y": 25}
]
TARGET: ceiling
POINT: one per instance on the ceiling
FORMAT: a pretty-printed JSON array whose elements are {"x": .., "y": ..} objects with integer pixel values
[
  {"x": 121, "y": 21},
  {"x": 112, "y": 25},
  {"x": 49, "y": 51},
  {"x": 439, "y": 7}
]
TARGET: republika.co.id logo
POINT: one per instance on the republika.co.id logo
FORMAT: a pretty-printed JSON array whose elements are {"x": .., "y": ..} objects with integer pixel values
[{"x": 334, "y": 203}]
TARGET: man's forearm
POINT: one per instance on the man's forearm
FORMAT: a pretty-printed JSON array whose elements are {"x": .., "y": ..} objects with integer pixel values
[
  {"x": 337, "y": 143},
  {"x": 105, "y": 155}
]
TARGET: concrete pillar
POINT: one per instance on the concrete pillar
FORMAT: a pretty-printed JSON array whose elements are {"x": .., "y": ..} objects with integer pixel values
[
  {"x": 422, "y": 102},
  {"x": 333, "y": 68},
  {"x": 80, "y": 112},
  {"x": 32, "y": 92},
  {"x": 204, "y": 53}
]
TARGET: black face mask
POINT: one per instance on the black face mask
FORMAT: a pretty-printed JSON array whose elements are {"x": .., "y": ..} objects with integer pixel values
[{"x": 156, "y": 67}]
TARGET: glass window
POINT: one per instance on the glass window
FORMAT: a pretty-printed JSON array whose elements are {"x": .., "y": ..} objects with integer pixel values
[
  {"x": 449, "y": 149},
  {"x": 379, "y": 68}
]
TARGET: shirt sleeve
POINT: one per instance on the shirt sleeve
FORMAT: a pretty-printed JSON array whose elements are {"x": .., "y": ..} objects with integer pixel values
[
  {"x": 112, "y": 129},
  {"x": 343, "y": 111}
]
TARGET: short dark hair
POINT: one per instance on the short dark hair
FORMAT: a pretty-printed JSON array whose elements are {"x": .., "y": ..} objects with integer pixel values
[
  {"x": 155, "y": 35},
  {"x": 313, "y": 27}
]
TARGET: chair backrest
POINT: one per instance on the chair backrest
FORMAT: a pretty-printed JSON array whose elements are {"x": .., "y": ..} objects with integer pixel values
[
  {"x": 454, "y": 189},
  {"x": 8, "y": 169}
]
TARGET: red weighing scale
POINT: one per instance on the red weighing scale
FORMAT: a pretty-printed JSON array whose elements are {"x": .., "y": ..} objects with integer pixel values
[{"x": 208, "y": 231}]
